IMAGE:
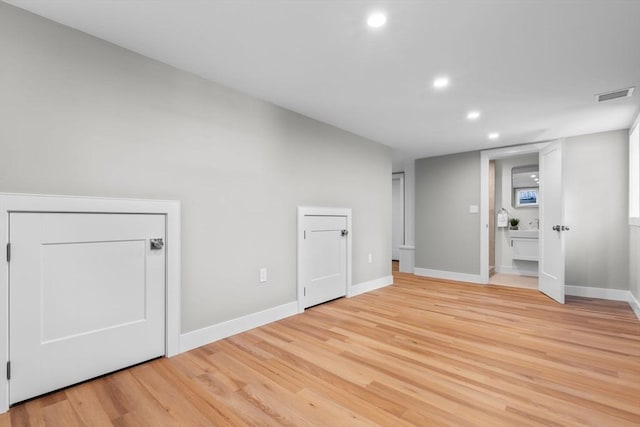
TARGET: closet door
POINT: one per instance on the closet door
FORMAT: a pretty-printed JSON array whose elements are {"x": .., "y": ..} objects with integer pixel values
[{"x": 87, "y": 296}]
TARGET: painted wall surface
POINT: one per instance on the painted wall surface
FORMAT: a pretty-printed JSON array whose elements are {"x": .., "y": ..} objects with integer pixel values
[
  {"x": 597, "y": 208},
  {"x": 447, "y": 235},
  {"x": 81, "y": 116},
  {"x": 505, "y": 199}
]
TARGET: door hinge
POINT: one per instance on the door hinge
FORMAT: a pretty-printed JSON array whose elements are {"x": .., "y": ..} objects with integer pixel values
[
  {"x": 8, "y": 252},
  {"x": 304, "y": 233},
  {"x": 304, "y": 292},
  {"x": 8, "y": 370}
]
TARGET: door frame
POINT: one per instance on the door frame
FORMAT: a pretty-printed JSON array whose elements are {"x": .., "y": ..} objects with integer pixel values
[
  {"x": 14, "y": 202},
  {"x": 400, "y": 177},
  {"x": 485, "y": 157},
  {"x": 320, "y": 211}
]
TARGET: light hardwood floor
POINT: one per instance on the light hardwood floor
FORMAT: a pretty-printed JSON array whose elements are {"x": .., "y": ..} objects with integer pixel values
[
  {"x": 422, "y": 352},
  {"x": 514, "y": 281}
]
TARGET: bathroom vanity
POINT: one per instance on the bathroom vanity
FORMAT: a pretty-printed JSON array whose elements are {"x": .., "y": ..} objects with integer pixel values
[{"x": 524, "y": 244}]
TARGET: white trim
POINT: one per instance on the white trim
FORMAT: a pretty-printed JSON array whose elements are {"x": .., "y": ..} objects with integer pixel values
[
  {"x": 600, "y": 293},
  {"x": 407, "y": 259},
  {"x": 371, "y": 285},
  {"x": 506, "y": 269},
  {"x": 400, "y": 177},
  {"x": 320, "y": 211},
  {"x": 636, "y": 122},
  {"x": 634, "y": 221},
  {"x": 485, "y": 157},
  {"x": 209, "y": 334},
  {"x": 11, "y": 202},
  {"x": 448, "y": 275},
  {"x": 635, "y": 305}
]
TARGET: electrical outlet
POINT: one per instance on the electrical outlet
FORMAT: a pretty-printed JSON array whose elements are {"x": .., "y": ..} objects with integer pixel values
[
  {"x": 370, "y": 258},
  {"x": 263, "y": 275}
]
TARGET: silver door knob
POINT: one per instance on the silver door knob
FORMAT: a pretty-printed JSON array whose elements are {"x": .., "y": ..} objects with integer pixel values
[{"x": 156, "y": 244}]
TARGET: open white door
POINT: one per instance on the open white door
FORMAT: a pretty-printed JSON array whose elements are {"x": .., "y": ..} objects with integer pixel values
[{"x": 552, "y": 226}]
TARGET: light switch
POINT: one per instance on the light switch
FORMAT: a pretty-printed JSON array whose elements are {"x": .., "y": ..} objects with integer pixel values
[
  {"x": 263, "y": 275},
  {"x": 473, "y": 208}
]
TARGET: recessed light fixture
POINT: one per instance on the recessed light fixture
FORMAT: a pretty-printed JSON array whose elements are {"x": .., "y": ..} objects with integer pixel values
[
  {"x": 533, "y": 175},
  {"x": 441, "y": 82},
  {"x": 473, "y": 115},
  {"x": 494, "y": 135},
  {"x": 376, "y": 20}
]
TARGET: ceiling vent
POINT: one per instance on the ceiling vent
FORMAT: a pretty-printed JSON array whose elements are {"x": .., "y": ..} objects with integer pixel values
[{"x": 608, "y": 96}]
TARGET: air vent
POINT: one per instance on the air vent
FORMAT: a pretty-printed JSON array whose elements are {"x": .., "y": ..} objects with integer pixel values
[{"x": 608, "y": 96}]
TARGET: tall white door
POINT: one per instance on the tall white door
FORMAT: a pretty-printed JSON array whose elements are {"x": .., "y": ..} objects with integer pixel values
[
  {"x": 552, "y": 225},
  {"x": 324, "y": 258},
  {"x": 87, "y": 297},
  {"x": 397, "y": 199}
]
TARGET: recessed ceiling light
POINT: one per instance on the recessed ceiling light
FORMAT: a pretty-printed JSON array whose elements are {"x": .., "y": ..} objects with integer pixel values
[
  {"x": 376, "y": 20},
  {"x": 441, "y": 82},
  {"x": 533, "y": 175},
  {"x": 494, "y": 135},
  {"x": 473, "y": 115}
]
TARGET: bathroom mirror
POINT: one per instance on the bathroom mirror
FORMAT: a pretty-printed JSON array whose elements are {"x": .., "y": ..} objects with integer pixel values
[{"x": 524, "y": 185}]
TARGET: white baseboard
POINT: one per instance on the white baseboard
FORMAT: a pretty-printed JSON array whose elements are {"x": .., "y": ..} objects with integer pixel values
[
  {"x": 601, "y": 293},
  {"x": 448, "y": 275},
  {"x": 635, "y": 305},
  {"x": 212, "y": 333},
  {"x": 371, "y": 285},
  {"x": 515, "y": 270}
]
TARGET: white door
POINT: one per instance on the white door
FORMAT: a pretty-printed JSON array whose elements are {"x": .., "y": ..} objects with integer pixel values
[
  {"x": 87, "y": 297},
  {"x": 397, "y": 199},
  {"x": 324, "y": 258},
  {"x": 552, "y": 225}
]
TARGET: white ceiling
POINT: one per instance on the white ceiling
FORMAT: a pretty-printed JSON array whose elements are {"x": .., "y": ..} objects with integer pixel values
[{"x": 530, "y": 67}]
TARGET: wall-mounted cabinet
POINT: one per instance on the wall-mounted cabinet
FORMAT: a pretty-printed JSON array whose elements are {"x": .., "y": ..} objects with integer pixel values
[{"x": 525, "y": 249}]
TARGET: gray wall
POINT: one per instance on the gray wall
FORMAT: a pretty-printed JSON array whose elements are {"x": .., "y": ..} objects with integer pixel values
[
  {"x": 447, "y": 235},
  {"x": 596, "y": 208},
  {"x": 81, "y": 116},
  {"x": 596, "y": 196}
]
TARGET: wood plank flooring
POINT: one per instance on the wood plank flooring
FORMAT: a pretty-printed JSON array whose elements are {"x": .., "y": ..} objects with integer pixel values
[
  {"x": 422, "y": 352},
  {"x": 514, "y": 281}
]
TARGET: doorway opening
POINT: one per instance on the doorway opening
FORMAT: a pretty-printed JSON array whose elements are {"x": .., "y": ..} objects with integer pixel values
[
  {"x": 502, "y": 263},
  {"x": 398, "y": 227},
  {"x": 513, "y": 248}
]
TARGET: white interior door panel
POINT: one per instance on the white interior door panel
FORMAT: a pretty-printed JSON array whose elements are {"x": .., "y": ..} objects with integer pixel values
[
  {"x": 324, "y": 258},
  {"x": 87, "y": 297},
  {"x": 552, "y": 224}
]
